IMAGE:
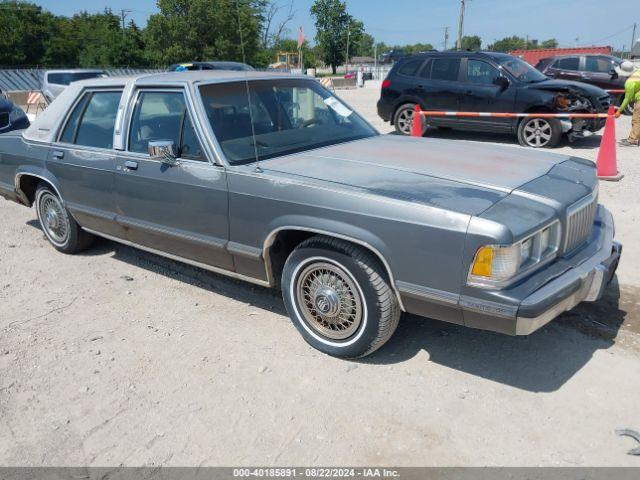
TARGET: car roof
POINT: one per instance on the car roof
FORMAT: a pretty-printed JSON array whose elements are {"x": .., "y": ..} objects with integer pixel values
[
  {"x": 463, "y": 53},
  {"x": 76, "y": 70},
  {"x": 188, "y": 77}
]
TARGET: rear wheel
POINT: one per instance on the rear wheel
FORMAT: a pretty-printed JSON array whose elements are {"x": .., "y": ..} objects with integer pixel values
[
  {"x": 403, "y": 118},
  {"x": 338, "y": 297},
  {"x": 62, "y": 231},
  {"x": 539, "y": 132}
]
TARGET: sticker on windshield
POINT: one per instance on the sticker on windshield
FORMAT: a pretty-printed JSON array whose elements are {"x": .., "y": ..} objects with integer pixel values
[{"x": 337, "y": 107}]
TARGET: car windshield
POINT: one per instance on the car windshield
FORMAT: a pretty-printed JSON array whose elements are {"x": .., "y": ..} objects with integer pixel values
[
  {"x": 66, "y": 78},
  {"x": 521, "y": 70},
  {"x": 267, "y": 118}
]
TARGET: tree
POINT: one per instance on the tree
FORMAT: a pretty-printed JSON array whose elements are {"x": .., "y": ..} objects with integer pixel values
[
  {"x": 280, "y": 28},
  {"x": 23, "y": 26},
  {"x": 551, "y": 43},
  {"x": 364, "y": 46},
  {"x": 205, "y": 30},
  {"x": 334, "y": 28},
  {"x": 472, "y": 43},
  {"x": 415, "y": 48},
  {"x": 508, "y": 44}
]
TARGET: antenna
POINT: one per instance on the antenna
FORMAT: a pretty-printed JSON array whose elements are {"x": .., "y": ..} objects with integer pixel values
[{"x": 246, "y": 82}]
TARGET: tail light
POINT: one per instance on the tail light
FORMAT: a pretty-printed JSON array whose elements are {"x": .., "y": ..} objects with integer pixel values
[{"x": 386, "y": 83}]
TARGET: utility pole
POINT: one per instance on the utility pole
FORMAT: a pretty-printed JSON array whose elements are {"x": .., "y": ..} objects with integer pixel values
[
  {"x": 446, "y": 37},
  {"x": 346, "y": 66},
  {"x": 123, "y": 16},
  {"x": 461, "y": 25},
  {"x": 633, "y": 39}
]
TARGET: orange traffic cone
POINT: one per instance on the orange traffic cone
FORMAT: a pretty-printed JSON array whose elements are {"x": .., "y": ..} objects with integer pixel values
[
  {"x": 416, "y": 128},
  {"x": 607, "y": 158}
]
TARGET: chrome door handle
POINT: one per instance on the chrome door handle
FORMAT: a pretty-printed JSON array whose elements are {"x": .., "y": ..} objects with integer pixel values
[
  {"x": 131, "y": 165},
  {"x": 58, "y": 154}
]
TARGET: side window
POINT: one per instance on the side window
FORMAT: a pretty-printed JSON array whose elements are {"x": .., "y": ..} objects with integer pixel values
[
  {"x": 426, "y": 70},
  {"x": 445, "y": 69},
  {"x": 69, "y": 132},
  {"x": 189, "y": 144},
  {"x": 410, "y": 68},
  {"x": 481, "y": 73},
  {"x": 92, "y": 122},
  {"x": 569, "y": 63},
  {"x": 598, "y": 65},
  {"x": 163, "y": 116}
]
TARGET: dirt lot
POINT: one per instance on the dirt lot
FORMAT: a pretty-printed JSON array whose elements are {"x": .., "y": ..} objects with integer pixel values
[{"x": 121, "y": 357}]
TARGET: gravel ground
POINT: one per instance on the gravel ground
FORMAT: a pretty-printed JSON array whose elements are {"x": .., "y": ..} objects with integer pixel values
[{"x": 119, "y": 357}]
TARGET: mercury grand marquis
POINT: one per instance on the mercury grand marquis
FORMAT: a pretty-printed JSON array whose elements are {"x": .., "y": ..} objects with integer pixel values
[{"x": 272, "y": 179}]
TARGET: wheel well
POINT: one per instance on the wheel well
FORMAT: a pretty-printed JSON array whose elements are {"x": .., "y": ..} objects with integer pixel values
[
  {"x": 27, "y": 185},
  {"x": 286, "y": 241}
]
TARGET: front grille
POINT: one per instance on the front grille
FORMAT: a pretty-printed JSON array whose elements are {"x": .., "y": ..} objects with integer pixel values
[
  {"x": 4, "y": 120},
  {"x": 580, "y": 218}
]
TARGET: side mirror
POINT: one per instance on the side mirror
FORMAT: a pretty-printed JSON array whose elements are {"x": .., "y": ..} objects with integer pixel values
[
  {"x": 502, "y": 82},
  {"x": 163, "y": 150},
  {"x": 613, "y": 73}
]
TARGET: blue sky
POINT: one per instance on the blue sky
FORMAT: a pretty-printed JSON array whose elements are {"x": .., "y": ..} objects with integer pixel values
[{"x": 582, "y": 22}]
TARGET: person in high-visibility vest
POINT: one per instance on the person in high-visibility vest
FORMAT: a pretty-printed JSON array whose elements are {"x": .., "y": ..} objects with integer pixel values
[{"x": 631, "y": 95}]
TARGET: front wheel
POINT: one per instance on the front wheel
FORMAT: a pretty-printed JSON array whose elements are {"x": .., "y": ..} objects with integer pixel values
[
  {"x": 338, "y": 297},
  {"x": 539, "y": 132}
]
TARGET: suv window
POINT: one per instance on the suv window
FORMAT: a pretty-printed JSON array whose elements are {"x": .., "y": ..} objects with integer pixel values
[
  {"x": 481, "y": 73},
  {"x": 411, "y": 67},
  {"x": 163, "y": 116},
  {"x": 445, "y": 69},
  {"x": 598, "y": 65},
  {"x": 93, "y": 119},
  {"x": 569, "y": 63}
]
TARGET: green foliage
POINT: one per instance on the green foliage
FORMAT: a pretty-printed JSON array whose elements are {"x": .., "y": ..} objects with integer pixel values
[
  {"x": 415, "y": 48},
  {"x": 22, "y": 27},
  {"x": 334, "y": 28},
  {"x": 518, "y": 43},
  {"x": 204, "y": 30},
  {"x": 471, "y": 43}
]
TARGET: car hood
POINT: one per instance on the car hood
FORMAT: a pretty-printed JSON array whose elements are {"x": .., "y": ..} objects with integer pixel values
[
  {"x": 557, "y": 85},
  {"x": 465, "y": 177}
]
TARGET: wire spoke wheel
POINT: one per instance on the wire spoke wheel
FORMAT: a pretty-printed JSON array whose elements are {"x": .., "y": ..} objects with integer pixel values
[
  {"x": 53, "y": 218},
  {"x": 538, "y": 132},
  {"x": 329, "y": 301}
]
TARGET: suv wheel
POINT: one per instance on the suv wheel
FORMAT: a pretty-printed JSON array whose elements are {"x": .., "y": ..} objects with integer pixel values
[
  {"x": 539, "y": 132},
  {"x": 338, "y": 297},
  {"x": 62, "y": 231},
  {"x": 403, "y": 118}
]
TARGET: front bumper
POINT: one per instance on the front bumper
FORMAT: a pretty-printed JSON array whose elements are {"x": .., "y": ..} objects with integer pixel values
[
  {"x": 583, "y": 283},
  {"x": 584, "y": 278}
]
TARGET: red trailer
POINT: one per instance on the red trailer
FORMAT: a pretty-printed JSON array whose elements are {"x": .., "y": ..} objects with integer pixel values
[{"x": 534, "y": 56}]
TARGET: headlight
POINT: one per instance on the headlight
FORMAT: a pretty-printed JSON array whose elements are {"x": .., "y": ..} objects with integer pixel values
[
  {"x": 495, "y": 266},
  {"x": 16, "y": 114}
]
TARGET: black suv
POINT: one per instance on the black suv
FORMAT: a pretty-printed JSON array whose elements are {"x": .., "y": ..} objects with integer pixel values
[
  {"x": 598, "y": 70},
  {"x": 488, "y": 82}
]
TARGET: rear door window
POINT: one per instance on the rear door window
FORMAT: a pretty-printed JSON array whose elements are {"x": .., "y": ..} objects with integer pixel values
[
  {"x": 93, "y": 119},
  {"x": 445, "y": 69},
  {"x": 569, "y": 63},
  {"x": 598, "y": 65},
  {"x": 410, "y": 68}
]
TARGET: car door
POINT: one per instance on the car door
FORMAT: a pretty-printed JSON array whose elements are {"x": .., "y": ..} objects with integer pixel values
[
  {"x": 83, "y": 159},
  {"x": 566, "y": 68},
  {"x": 182, "y": 209},
  {"x": 599, "y": 71},
  {"x": 441, "y": 88},
  {"x": 486, "y": 89}
]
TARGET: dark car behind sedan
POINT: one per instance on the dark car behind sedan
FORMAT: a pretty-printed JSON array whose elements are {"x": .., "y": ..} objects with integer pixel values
[
  {"x": 12, "y": 117},
  {"x": 598, "y": 70},
  {"x": 488, "y": 82}
]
